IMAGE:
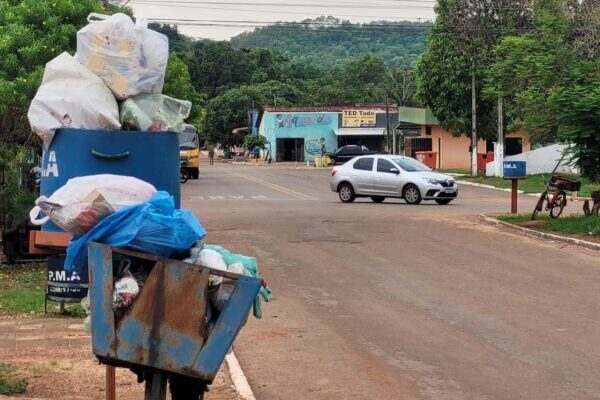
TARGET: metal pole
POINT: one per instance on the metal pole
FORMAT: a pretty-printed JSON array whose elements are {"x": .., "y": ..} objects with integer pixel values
[
  {"x": 473, "y": 122},
  {"x": 514, "y": 196},
  {"x": 111, "y": 390},
  {"x": 387, "y": 123},
  {"x": 500, "y": 146}
]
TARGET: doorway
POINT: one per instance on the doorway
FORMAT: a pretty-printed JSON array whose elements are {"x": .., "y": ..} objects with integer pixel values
[
  {"x": 513, "y": 146},
  {"x": 290, "y": 149}
]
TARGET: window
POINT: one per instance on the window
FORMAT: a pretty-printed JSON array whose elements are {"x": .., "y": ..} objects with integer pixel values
[
  {"x": 410, "y": 164},
  {"x": 364, "y": 164},
  {"x": 427, "y": 131},
  {"x": 384, "y": 165}
]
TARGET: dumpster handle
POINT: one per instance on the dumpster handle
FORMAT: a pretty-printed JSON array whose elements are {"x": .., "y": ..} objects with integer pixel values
[{"x": 118, "y": 156}]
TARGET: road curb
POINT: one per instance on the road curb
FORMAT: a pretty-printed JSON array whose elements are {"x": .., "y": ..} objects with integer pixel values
[
  {"x": 242, "y": 387},
  {"x": 481, "y": 185},
  {"x": 543, "y": 235}
]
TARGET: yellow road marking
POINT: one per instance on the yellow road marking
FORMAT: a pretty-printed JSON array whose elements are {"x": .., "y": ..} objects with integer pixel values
[{"x": 276, "y": 187}]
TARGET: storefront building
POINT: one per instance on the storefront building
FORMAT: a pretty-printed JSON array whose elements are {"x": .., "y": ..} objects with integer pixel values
[
  {"x": 451, "y": 151},
  {"x": 303, "y": 133}
]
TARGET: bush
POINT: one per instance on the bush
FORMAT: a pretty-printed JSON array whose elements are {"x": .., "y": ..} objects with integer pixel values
[{"x": 251, "y": 141}]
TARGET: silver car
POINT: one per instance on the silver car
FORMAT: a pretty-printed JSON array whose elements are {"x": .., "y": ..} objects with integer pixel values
[{"x": 381, "y": 176}]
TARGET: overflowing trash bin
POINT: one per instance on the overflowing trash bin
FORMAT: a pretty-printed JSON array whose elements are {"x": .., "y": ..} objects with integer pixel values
[{"x": 161, "y": 302}]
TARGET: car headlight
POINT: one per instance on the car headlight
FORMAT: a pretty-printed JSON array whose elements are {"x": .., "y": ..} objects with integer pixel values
[{"x": 432, "y": 181}]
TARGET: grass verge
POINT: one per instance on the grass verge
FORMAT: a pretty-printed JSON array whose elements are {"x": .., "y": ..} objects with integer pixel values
[
  {"x": 533, "y": 183},
  {"x": 572, "y": 225},
  {"x": 10, "y": 383},
  {"x": 22, "y": 291}
]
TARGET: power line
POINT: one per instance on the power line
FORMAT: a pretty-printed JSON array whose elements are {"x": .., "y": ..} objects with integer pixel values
[{"x": 170, "y": 4}]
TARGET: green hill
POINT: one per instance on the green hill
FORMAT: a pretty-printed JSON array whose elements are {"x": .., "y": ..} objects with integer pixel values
[{"x": 328, "y": 41}]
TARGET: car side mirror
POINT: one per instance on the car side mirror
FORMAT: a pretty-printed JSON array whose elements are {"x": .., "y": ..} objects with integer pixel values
[{"x": 395, "y": 171}]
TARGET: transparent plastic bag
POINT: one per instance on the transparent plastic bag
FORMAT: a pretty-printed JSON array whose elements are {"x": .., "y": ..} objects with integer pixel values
[
  {"x": 71, "y": 96},
  {"x": 82, "y": 202},
  {"x": 130, "y": 58},
  {"x": 154, "y": 227},
  {"x": 154, "y": 112}
]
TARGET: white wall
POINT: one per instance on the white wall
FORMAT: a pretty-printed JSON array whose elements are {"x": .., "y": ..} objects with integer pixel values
[{"x": 539, "y": 161}]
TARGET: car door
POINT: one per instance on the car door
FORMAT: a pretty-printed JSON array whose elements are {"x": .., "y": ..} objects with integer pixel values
[
  {"x": 346, "y": 153},
  {"x": 387, "y": 179},
  {"x": 362, "y": 175}
]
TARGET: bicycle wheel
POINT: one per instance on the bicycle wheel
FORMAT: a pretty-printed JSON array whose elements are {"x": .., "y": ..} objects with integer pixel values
[
  {"x": 539, "y": 206},
  {"x": 558, "y": 204}
]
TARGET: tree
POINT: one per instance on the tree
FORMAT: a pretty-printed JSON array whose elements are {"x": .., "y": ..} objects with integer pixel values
[
  {"x": 33, "y": 32},
  {"x": 179, "y": 85},
  {"x": 402, "y": 86},
  {"x": 527, "y": 67},
  {"x": 329, "y": 42},
  {"x": 451, "y": 72},
  {"x": 252, "y": 141},
  {"x": 229, "y": 111}
]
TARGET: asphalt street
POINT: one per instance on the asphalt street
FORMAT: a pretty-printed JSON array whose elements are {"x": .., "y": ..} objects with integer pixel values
[{"x": 391, "y": 301}]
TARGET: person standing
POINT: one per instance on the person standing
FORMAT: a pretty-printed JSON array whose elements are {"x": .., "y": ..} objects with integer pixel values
[{"x": 211, "y": 155}]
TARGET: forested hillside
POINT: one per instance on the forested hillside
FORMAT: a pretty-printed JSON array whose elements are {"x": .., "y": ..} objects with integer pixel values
[{"x": 328, "y": 41}]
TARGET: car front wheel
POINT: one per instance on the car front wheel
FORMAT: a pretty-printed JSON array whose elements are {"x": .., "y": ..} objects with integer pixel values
[
  {"x": 346, "y": 193},
  {"x": 412, "y": 195}
]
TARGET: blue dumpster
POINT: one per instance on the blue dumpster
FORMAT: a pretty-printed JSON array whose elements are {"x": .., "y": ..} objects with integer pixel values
[
  {"x": 150, "y": 156},
  {"x": 165, "y": 327}
]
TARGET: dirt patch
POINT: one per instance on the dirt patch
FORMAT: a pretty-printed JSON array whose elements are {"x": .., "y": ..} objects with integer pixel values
[{"x": 58, "y": 363}]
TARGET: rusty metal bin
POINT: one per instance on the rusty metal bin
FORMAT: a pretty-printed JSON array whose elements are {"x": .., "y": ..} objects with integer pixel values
[{"x": 165, "y": 326}]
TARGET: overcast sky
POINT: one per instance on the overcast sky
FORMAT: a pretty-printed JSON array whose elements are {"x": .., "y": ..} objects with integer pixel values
[{"x": 221, "y": 20}]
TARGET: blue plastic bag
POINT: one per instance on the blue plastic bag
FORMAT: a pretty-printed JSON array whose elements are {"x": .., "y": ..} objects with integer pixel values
[{"x": 155, "y": 227}]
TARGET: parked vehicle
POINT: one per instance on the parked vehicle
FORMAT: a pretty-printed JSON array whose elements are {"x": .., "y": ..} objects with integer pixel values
[
  {"x": 384, "y": 176},
  {"x": 184, "y": 174},
  {"x": 348, "y": 152},
  {"x": 189, "y": 151}
]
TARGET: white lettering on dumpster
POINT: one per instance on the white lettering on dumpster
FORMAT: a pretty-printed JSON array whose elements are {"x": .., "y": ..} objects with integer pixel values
[{"x": 52, "y": 167}]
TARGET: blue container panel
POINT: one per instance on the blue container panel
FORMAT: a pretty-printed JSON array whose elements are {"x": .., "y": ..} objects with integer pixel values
[{"x": 150, "y": 156}]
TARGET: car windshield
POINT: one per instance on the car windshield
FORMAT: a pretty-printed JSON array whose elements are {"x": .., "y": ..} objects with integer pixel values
[
  {"x": 188, "y": 139},
  {"x": 411, "y": 165}
]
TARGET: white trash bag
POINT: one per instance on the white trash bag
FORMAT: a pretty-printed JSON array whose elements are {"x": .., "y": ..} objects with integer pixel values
[
  {"x": 70, "y": 96},
  {"x": 130, "y": 58},
  {"x": 82, "y": 202}
]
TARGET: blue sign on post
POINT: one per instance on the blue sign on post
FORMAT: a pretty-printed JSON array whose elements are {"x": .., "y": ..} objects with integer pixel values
[{"x": 515, "y": 169}]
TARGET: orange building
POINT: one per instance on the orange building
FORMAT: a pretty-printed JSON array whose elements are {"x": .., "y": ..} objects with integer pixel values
[{"x": 421, "y": 132}]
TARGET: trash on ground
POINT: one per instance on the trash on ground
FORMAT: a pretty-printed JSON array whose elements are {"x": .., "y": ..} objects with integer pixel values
[
  {"x": 154, "y": 227},
  {"x": 154, "y": 112},
  {"x": 130, "y": 58},
  {"x": 82, "y": 202},
  {"x": 71, "y": 96}
]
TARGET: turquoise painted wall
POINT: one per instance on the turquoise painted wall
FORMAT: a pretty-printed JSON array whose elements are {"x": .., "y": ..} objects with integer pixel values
[{"x": 314, "y": 128}]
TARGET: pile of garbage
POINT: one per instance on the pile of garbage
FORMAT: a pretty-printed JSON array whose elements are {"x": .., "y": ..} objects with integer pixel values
[
  {"x": 113, "y": 82},
  {"x": 129, "y": 213}
]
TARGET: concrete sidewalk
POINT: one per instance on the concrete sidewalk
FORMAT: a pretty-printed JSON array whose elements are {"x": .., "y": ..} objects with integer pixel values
[{"x": 55, "y": 357}]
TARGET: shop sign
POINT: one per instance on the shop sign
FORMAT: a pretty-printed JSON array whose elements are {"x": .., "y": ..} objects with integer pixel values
[{"x": 359, "y": 119}]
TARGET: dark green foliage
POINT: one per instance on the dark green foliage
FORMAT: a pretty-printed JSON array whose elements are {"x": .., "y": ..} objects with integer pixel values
[
  {"x": 251, "y": 141},
  {"x": 328, "y": 42}
]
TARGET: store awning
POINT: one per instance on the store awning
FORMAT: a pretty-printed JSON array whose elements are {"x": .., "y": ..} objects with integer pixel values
[{"x": 360, "y": 131}]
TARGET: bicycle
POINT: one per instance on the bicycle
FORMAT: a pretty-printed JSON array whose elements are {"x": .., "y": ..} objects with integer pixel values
[{"x": 555, "y": 196}]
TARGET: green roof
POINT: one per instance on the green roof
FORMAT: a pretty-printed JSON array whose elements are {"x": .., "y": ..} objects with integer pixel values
[{"x": 419, "y": 116}]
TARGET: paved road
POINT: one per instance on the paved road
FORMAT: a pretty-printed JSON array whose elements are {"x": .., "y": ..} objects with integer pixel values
[{"x": 390, "y": 301}]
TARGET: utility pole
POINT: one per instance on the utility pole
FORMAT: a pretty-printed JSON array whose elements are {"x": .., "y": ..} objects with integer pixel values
[
  {"x": 499, "y": 156},
  {"x": 387, "y": 123},
  {"x": 473, "y": 121}
]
